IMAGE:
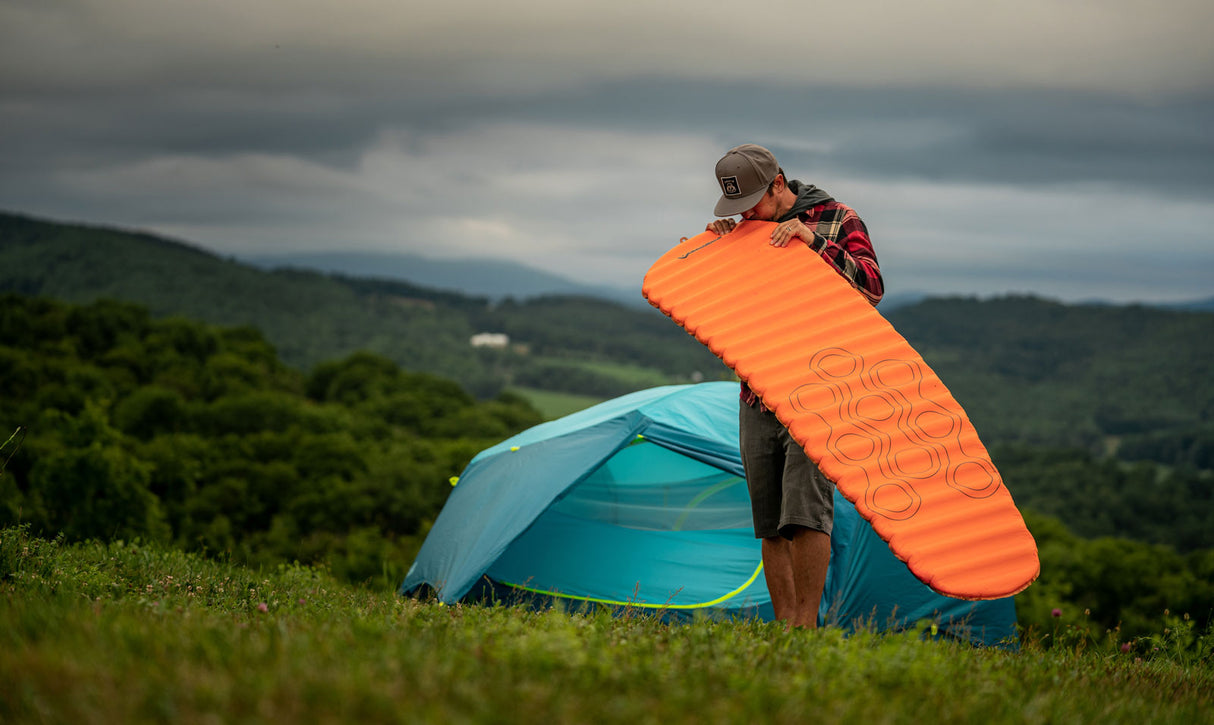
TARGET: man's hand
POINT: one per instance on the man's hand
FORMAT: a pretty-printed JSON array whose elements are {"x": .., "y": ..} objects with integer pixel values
[
  {"x": 721, "y": 227},
  {"x": 790, "y": 230}
]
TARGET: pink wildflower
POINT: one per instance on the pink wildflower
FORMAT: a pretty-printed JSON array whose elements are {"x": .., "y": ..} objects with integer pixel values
[
  {"x": 263, "y": 607},
  {"x": 1057, "y": 613},
  {"x": 1125, "y": 646}
]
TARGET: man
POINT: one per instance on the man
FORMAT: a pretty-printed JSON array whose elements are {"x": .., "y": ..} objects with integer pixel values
[{"x": 791, "y": 501}]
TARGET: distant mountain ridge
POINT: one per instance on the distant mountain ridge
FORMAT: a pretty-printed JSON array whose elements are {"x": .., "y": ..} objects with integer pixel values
[
  {"x": 1206, "y": 305},
  {"x": 499, "y": 279},
  {"x": 492, "y": 278},
  {"x": 496, "y": 279}
]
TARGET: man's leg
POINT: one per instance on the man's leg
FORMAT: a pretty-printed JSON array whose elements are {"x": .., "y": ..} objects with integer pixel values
[
  {"x": 809, "y": 557},
  {"x": 777, "y": 570},
  {"x": 796, "y": 575}
]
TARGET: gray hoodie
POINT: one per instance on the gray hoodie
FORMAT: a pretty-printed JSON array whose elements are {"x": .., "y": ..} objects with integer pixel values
[{"x": 808, "y": 196}]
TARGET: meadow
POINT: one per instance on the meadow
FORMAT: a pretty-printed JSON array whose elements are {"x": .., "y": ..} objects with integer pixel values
[
  {"x": 553, "y": 404},
  {"x": 115, "y": 632}
]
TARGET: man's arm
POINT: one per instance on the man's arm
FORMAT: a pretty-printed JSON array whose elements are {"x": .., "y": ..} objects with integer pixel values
[
  {"x": 841, "y": 238},
  {"x": 853, "y": 257}
]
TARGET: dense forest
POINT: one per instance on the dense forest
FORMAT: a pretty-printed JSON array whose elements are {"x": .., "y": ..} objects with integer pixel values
[
  {"x": 180, "y": 432},
  {"x": 1131, "y": 380},
  {"x": 151, "y": 390}
]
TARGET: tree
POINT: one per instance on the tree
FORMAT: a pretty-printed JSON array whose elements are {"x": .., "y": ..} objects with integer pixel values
[{"x": 92, "y": 487}]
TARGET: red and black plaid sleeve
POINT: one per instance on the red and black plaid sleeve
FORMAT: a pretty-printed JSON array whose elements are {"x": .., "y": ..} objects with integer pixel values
[{"x": 842, "y": 239}]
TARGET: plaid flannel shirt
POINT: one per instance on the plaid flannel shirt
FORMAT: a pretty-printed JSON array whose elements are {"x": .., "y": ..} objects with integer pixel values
[{"x": 841, "y": 238}]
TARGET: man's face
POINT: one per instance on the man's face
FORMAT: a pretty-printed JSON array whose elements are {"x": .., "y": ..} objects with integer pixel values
[{"x": 765, "y": 210}]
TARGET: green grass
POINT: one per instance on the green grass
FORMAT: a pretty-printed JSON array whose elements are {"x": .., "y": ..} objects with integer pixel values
[
  {"x": 553, "y": 405},
  {"x": 640, "y": 376},
  {"x": 637, "y": 376},
  {"x": 126, "y": 633}
]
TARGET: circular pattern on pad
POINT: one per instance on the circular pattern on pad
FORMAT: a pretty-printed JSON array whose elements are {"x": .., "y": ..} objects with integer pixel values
[{"x": 874, "y": 427}]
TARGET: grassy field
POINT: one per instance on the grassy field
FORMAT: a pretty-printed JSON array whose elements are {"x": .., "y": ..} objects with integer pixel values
[
  {"x": 122, "y": 633},
  {"x": 553, "y": 405},
  {"x": 641, "y": 377}
]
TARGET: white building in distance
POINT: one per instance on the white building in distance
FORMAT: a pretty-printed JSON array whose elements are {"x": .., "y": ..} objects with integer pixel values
[{"x": 490, "y": 339}]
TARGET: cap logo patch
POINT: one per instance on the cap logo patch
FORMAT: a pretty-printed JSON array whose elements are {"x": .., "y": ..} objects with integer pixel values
[{"x": 729, "y": 185}]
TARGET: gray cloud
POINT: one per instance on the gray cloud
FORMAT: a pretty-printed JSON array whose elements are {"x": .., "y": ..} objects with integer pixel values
[
  {"x": 988, "y": 146},
  {"x": 1114, "y": 45}
]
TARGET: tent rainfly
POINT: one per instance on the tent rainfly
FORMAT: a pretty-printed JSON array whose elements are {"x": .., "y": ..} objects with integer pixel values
[{"x": 641, "y": 502}]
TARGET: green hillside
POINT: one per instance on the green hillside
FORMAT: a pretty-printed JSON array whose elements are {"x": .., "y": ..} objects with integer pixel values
[
  {"x": 1134, "y": 379},
  {"x": 311, "y": 317},
  {"x": 1126, "y": 380}
]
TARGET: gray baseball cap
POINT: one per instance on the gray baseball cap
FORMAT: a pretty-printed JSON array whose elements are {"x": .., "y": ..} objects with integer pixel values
[{"x": 744, "y": 173}]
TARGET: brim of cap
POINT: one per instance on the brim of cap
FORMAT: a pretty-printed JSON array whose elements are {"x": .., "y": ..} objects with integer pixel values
[{"x": 728, "y": 206}]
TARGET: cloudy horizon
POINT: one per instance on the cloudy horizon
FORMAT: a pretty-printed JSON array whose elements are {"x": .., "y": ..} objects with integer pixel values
[{"x": 1058, "y": 149}]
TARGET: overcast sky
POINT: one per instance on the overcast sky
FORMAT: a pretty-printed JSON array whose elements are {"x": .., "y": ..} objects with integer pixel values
[{"x": 1061, "y": 148}]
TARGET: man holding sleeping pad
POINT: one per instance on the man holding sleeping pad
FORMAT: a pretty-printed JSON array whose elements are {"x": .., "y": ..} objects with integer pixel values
[{"x": 791, "y": 501}]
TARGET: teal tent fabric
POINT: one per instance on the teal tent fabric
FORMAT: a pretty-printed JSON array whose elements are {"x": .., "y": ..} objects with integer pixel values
[{"x": 641, "y": 501}]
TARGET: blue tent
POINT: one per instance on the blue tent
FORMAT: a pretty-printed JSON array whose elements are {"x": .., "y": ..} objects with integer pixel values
[{"x": 641, "y": 501}]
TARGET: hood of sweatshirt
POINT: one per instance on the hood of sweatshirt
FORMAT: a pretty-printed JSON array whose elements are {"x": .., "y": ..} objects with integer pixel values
[{"x": 808, "y": 196}]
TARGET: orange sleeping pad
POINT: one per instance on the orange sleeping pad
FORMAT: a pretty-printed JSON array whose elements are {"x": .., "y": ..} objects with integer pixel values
[{"x": 858, "y": 398}]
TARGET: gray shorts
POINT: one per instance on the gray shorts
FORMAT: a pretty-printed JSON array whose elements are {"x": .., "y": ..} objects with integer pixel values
[{"x": 786, "y": 489}]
